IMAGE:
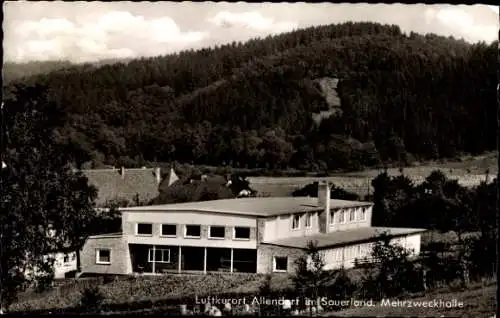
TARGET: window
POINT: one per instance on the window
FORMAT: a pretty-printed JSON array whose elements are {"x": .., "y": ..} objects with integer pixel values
[
  {"x": 192, "y": 231},
  {"x": 66, "y": 258},
  {"x": 308, "y": 221},
  {"x": 332, "y": 217},
  {"x": 341, "y": 216},
  {"x": 169, "y": 230},
  {"x": 217, "y": 232},
  {"x": 295, "y": 221},
  {"x": 280, "y": 264},
  {"x": 362, "y": 214},
  {"x": 338, "y": 255},
  {"x": 144, "y": 229},
  {"x": 103, "y": 256},
  {"x": 160, "y": 255},
  {"x": 352, "y": 215},
  {"x": 242, "y": 233}
]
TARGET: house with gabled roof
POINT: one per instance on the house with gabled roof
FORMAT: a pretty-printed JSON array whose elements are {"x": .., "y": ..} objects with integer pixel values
[
  {"x": 256, "y": 235},
  {"x": 134, "y": 185}
]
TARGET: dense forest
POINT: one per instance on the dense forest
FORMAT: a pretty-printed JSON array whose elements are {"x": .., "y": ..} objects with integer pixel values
[{"x": 403, "y": 97}]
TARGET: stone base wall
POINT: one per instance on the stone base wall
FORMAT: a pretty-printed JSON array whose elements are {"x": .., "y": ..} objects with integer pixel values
[{"x": 266, "y": 253}]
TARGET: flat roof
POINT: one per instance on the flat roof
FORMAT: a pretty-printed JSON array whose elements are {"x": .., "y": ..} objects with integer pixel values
[
  {"x": 343, "y": 237},
  {"x": 250, "y": 206}
]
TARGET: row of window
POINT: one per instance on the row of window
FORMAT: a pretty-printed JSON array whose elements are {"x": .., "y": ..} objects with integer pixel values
[
  {"x": 194, "y": 231},
  {"x": 347, "y": 215},
  {"x": 280, "y": 263},
  {"x": 162, "y": 255},
  {"x": 351, "y": 252},
  {"x": 343, "y": 216}
]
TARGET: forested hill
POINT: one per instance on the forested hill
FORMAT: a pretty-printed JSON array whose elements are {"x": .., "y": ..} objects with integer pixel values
[{"x": 251, "y": 104}]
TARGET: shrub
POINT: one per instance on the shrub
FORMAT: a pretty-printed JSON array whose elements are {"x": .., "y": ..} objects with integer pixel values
[
  {"x": 44, "y": 283},
  {"x": 394, "y": 272},
  {"x": 92, "y": 298},
  {"x": 342, "y": 287},
  {"x": 108, "y": 279}
]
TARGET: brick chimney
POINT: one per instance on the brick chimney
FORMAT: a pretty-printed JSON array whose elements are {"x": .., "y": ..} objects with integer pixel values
[
  {"x": 158, "y": 175},
  {"x": 324, "y": 201},
  {"x": 122, "y": 172}
]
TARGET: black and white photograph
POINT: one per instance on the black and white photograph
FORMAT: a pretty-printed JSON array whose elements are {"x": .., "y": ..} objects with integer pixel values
[{"x": 249, "y": 159}]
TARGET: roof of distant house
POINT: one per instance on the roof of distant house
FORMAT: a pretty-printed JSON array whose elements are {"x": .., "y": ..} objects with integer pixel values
[
  {"x": 112, "y": 185},
  {"x": 344, "y": 237},
  {"x": 251, "y": 206}
]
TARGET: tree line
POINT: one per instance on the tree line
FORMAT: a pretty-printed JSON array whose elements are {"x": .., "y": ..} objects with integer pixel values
[
  {"x": 403, "y": 97},
  {"x": 389, "y": 271},
  {"x": 438, "y": 203}
]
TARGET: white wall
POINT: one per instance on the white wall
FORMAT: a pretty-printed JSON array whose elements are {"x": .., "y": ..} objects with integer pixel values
[
  {"x": 413, "y": 242},
  {"x": 61, "y": 267},
  {"x": 346, "y": 255},
  {"x": 281, "y": 227}
]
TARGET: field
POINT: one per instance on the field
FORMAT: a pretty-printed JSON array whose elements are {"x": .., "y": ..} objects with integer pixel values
[
  {"x": 469, "y": 171},
  {"x": 478, "y": 301}
]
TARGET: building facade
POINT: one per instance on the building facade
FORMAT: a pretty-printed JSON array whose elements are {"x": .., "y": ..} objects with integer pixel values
[{"x": 256, "y": 235}]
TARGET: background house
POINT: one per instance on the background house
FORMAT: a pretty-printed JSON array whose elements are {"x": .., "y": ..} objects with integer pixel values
[
  {"x": 64, "y": 263},
  {"x": 134, "y": 185},
  {"x": 260, "y": 235},
  {"x": 137, "y": 186}
]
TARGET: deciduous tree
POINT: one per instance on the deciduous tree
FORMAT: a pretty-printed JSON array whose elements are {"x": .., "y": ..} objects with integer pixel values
[{"x": 46, "y": 205}]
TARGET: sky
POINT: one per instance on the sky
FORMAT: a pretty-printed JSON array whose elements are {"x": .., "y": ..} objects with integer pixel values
[{"x": 90, "y": 31}]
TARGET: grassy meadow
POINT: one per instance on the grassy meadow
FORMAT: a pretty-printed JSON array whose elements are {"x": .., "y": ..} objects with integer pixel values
[{"x": 468, "y": 170}]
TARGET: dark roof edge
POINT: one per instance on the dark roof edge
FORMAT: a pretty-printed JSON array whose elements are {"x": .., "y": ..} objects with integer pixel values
[{"x": 281, "y": 245}]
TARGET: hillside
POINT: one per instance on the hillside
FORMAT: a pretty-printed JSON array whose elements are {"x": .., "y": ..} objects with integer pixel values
[
  {"x": 15, "y": 71},
  {"x": 391, "y": 97}
]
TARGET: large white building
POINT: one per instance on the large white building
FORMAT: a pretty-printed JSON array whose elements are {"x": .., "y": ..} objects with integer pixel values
[{"x": 239, "y": 235}]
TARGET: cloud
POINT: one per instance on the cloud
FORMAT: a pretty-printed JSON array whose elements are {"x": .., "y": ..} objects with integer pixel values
[
  {"x": 113, "y": 34},
  {"x": 253, "y": 20},
  {"x": 45, "y": 27},
  {"x": 456, "y": 21},
  {"x": 87, "y": 31}
]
